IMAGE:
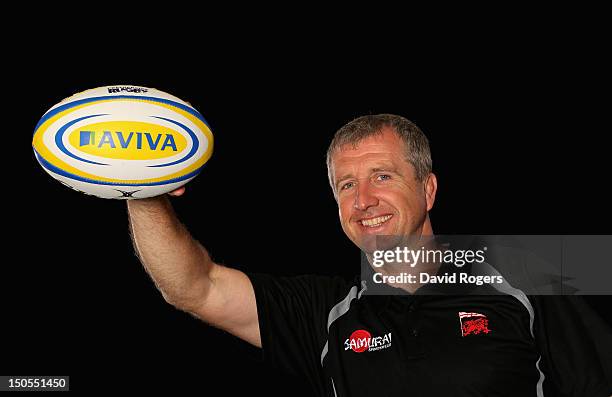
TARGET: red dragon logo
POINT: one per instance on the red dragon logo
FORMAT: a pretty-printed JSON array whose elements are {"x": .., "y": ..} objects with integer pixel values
[{"x": 473, "y": 323}]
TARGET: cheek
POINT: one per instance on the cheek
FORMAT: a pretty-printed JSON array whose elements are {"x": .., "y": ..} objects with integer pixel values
[
  {"x": 405, "y": 204},
  {"x": 345, "y": 210},
  {"x": 393, "y": 199},
  {"x": 415, "y": 209}
]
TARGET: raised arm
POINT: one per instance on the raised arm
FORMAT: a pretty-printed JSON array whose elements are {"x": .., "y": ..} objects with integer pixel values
[{"x": 185, "y": 274}]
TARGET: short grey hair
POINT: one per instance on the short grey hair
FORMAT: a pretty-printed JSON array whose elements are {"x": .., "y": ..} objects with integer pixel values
[{"x": 418, "y": 153}]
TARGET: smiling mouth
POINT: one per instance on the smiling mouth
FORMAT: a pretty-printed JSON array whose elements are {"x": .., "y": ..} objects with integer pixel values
[{"x": 375, "y": 222}]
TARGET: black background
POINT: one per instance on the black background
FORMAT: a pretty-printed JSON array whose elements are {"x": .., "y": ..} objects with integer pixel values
[{"x": 518, "y": 147}]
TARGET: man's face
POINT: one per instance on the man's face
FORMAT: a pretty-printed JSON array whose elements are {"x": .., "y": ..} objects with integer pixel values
[{"x": 378, "y": 193}]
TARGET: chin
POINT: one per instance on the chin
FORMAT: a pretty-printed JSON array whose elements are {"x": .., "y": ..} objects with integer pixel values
[{"x": 371, "y": 243}]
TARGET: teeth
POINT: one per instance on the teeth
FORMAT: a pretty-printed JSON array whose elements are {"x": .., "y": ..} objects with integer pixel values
[{"x": 376, "y": 221}]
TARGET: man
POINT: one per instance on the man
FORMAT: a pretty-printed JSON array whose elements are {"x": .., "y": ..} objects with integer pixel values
[{"x": 349, "y": 343}]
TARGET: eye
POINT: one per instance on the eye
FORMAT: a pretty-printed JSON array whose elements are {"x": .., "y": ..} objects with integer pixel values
[
  {"x": 383, "y": 177},
  {"x": 347, "y": 185}
]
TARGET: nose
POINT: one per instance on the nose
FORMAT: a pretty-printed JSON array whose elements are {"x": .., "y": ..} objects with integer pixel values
[{"x": 365, "y": 197}]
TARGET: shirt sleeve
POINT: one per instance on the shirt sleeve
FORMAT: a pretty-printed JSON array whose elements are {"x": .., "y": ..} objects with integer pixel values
[
  {"x": 575, "y": 345},
  {"x": 293, "y": 314}
]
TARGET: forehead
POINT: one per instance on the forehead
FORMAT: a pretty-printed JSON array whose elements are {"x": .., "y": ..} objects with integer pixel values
[{"x": 386, "y": 147}]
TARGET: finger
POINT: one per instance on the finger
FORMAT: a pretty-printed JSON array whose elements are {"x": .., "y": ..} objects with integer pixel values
[{"x": 178, "y": 192}]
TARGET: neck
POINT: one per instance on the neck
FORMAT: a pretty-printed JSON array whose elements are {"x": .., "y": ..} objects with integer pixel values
[{"x": 406, "y": 251}]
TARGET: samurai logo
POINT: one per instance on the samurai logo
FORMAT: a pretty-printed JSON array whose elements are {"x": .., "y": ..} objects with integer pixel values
[
  {"x": 361, "y": 341},
  {"x": 473, "y": 323}
]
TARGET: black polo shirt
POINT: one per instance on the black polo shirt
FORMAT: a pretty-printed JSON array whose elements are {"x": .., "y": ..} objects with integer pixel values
[{"x": 348, "y": 343}]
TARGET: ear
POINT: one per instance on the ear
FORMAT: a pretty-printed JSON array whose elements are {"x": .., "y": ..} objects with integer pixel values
[{"x": 431, "y": 186}]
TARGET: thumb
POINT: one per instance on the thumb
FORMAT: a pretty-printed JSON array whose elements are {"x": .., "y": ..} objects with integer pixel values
[{"x": 178, "y": 192}]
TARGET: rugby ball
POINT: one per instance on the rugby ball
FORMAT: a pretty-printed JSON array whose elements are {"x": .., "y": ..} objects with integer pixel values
[{"x": 122, "y": 142}]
